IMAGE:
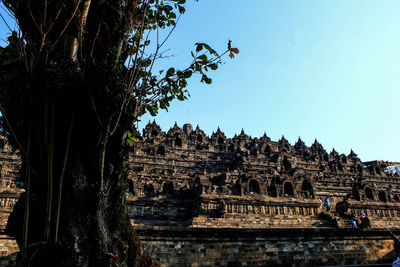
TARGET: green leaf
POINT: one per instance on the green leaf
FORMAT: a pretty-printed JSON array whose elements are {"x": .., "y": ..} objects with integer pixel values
[
  {"x": 130, "y": 143},
  {"x": 147, "y": 62},
  {"x": 181, "y": 9},
  {"x": 164, "y": 104},
  {"x": 181, "y": 97},
  {"x": 203, "y": 58},
  {"x": 187, "y": 74},
  {"x": 199, "y": 47},
  {"x": 213, "y": 66},
  {"x": 170, "y": 72},
  {"x": 212, "y": 51},
  {"x": 205, "y": 79},
  {"x": 168, "y": 8},
  {"x": 131, "y": 138},
  {"x": 151, "y": 110}
]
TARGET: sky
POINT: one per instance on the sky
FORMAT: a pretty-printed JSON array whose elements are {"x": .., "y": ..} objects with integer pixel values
[{"x": 325, "y": 70}]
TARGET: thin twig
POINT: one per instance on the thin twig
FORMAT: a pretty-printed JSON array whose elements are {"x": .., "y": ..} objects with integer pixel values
[
  {"x": 45, "y": 13},
  {"x": 129, "y": 91},
  {"x": 33, "y": 18},
  {"x": 173, "y": 28},
  {"x": 50, "y": 158},
  {"x": 94, "y": 40},
  {"x": 85, "y": 11},
  {"x": 5, "y": 22},
  {"x": 93, "y": 104},
  {"x": 138, "y": 43},
  {"x": 27, "y": 198},
  {"x": 53, "y": 22},
  {"x": 60, "y": 184},
  {"x": 66, "y": 25},
  {"x": 103, "y": 144},
  {"x": 9, "y": 13}
]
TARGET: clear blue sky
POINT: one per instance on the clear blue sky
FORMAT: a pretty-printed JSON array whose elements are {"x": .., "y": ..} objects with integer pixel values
[{"x": 328, "y": 70}]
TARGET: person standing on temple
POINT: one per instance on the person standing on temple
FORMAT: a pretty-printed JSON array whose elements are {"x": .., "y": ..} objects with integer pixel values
[
  {"x": 365, "y": 223},
  {"x": 353, "y": 221},
  {"x": 328, "y": 204}
]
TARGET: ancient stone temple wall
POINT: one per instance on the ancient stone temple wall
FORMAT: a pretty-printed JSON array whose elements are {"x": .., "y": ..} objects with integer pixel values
[
  {"x": 185, "y": 178},
  {"x": 10, "y": 189},
  {"x": 199, "y": 200},
  {"x": 266, "y": 247}
]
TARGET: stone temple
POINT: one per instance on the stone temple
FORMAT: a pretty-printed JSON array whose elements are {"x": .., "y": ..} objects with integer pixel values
[
  {"x": 185, "y": 178},
  {"x": 198, "y": 200}
]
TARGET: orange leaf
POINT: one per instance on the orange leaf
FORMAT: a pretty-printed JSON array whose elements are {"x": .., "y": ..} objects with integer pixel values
[
  {"x": 231, "y": 55},
  {"x": 235, "y": 50}
]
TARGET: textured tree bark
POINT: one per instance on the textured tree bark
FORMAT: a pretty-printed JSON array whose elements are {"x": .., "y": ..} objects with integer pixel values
[
  {"x": 93, "y": 228},
  {"x": 91, "y": 234}
]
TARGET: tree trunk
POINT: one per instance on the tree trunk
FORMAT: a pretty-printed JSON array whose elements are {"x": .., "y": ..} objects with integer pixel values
[{"x": 93, "y": 228}]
